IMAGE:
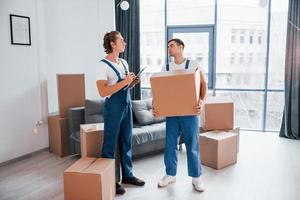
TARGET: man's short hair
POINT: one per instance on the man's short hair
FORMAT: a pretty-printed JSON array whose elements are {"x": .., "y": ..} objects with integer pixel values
[
  {"x": 177, "y": 41},
  {"x": 108, "y": 38}
]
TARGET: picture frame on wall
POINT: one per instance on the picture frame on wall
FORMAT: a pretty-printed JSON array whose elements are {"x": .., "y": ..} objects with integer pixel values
[{"x": 20, "y": 30}]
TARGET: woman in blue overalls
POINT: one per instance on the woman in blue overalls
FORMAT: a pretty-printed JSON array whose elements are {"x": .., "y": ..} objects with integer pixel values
[{"x": 113, "y": 79}]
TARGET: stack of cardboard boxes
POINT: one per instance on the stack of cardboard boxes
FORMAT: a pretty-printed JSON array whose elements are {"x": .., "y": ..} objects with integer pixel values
[
  {"x": 176, "y": 93},
  {"x": 90, "y": 177},
  {"x": 71, "y": 93},
  {"x": 219, "y": 140}
]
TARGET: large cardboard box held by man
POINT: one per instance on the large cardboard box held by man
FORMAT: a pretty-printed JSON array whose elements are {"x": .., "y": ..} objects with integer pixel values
[
  {"x": 58, "y": 131},
  {"x": 218, "y": 149},
  {"x": 90, "y": 178},
  {"x": 91, "y": 139},
  {"x": 176, "y": 93},
  {"x": 217, "y": 114}
]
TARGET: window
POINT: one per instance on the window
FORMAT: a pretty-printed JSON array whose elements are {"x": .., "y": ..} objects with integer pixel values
[
  {"x": 241, "y": 58},
  {"x": 277, "y": 53},
  {"x": 274, "y": 110},
  {"x": 233, "y": 35},
  {"x": 240, "y": 51},
  {"x": 190, "y": 12},
  {"x": 141, "y": 61},
  {"x": 149, "y": 40},
  {"x": 199, "y": 58},
  {"x": 260, "y": 58},
  {"x": 149, "y": 61},
  {"x": 159, "y": 61},
  {"x": 247, "y": 19},
  {"x": 242, "y": 37},
  {"x": 250, "y": 58},
  {"x": 233, "y": 39},
  {"x": 152, "y": 36},
  {"x": 259, "y": 38},
  {"x": 232, "y": 59},
  {"x": 248, "y": 107},
  {"x": 251, "y": 36}
]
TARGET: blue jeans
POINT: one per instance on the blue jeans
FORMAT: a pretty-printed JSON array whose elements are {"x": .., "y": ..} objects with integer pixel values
[{"x": 188, "y": 126}]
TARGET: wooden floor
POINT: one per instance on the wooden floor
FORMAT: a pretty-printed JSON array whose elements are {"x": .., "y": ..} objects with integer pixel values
[{"x": 268, "y": 167}]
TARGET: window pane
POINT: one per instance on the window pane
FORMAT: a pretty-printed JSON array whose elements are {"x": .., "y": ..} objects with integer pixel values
[
  {"x": 196, "y": 47},
  {"x": 278, "y": 30},
  {"x": 146, "y": 93},
  {"x": 274, "y": 110},
  {"x": 152, "y": 38},
  {"x": 248, "y": 108},
  {"x": 241, "y": 36},
  {"x": 190, "y": 12}
]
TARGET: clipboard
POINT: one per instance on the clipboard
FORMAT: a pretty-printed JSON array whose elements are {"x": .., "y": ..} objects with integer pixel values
[
  {"x": 140, "y": 72},
  {"x": 137, "y": 76}
]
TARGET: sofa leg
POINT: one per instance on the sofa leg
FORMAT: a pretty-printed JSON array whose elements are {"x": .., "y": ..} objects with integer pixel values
[{"x": 180, "y": 147}]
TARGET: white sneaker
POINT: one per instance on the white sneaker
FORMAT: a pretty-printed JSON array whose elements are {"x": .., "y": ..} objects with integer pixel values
[
  {"x": 166, "y": 180},
  {"x": 197, "y": 184}
]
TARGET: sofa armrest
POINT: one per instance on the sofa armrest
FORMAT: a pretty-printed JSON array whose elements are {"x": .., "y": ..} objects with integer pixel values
[{"x": 76, "y": 117}]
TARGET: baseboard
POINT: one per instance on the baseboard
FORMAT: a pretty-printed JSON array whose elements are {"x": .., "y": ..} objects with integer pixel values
[{"x": 23, "y": 157}]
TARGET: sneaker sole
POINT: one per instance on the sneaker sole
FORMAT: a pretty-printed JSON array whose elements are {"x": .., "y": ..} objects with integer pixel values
[
  {"x": 161, "y": 186},
  {"x": 197, "y": 189}
]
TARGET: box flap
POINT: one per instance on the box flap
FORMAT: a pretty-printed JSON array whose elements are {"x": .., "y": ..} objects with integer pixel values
[
  {"x": 91, "y": 127},
  {"x": 81, "y": 165},
  {"x": 218, "y": 135},
  {"x": 99, "y": 166},
  {"x": 174, "y": 73},
  {"x": 215, "y": 100}
]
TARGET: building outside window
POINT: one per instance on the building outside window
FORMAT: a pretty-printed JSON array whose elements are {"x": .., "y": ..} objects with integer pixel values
[{"x": 245, "y": 25}]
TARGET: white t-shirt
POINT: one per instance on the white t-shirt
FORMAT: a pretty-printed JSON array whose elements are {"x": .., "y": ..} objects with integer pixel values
[
  {"x": 106, "y": 73},
  {"x": 193, "y": 64}
]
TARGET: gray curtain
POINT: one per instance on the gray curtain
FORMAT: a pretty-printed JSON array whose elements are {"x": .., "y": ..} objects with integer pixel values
[
  {"x": 128, "y": 24},
  {"x": 291, "y": 120}
]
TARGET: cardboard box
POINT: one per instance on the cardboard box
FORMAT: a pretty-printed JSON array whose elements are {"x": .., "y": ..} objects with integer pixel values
[
  {"x": 58, "y": 130},
  {"x": 91, "y": 136},
  {"x": 176, "y": 93},
  {"x": 236, "y": 130},
  {"x": 218, "y": 149},
  {"x": 70, "y": 91},
  {"x": 90, "y": 179},
  {"x": 217, "y": 114}
]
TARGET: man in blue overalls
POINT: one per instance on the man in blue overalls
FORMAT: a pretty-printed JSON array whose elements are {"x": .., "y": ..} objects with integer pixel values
[
  {"x": 188, "y": 126},
  {"x": 113, "y": 79}
]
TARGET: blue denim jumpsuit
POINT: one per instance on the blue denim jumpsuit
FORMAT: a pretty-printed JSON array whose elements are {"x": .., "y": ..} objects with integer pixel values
[
  {"x": 188, "y": 126},
  {"x": 118, "y": 126}
]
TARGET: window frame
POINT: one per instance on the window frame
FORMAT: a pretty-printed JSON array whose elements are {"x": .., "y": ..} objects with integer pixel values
[{"x": 212, "y": 70}]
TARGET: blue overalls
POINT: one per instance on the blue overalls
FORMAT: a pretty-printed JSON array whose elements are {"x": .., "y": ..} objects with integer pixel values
[
  {"x": 118, "y": 126},
  {"x": 188, "y": 126}
]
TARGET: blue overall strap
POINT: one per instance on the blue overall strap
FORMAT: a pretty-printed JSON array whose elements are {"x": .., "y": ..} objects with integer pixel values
[
  {"x": 111, "y": 66},
  {"x": 126, "y": 71},
  {"x": 167, "y": 67},
  {"x": 187, "y": 64}
]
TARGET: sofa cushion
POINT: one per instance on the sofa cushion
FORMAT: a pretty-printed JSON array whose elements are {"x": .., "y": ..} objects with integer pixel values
[
  {"x": 148, "y": 133},
  {"x": 142, "y": 110},
  {"x": 94, "y": 111}
]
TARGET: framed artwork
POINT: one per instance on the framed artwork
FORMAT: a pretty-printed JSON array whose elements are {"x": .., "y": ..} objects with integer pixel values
[{"x": 20, "y": 30}]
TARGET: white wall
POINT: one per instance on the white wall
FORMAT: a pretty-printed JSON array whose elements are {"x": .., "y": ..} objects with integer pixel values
[
  {"x": 74, "y": 34},
  {"x": 66, "y": 38}
]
